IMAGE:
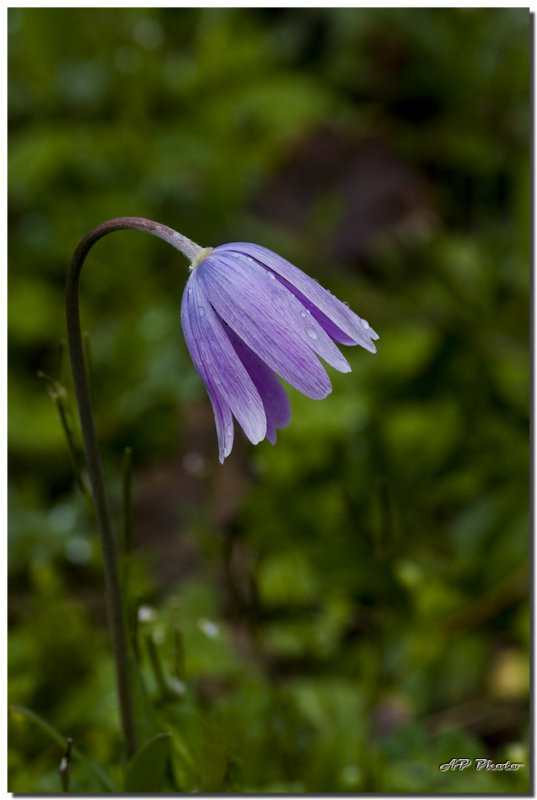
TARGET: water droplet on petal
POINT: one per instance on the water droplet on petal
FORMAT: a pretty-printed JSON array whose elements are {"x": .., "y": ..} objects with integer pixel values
[
  {"x": 365, "y": 323},
  {"x": 229, "y": 429},
  {"x": 312, "y": 334},
  {"x": 303, "y": 314}
]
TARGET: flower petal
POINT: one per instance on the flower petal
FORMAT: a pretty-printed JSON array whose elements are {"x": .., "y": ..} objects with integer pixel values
[
  {"x": 220, "y": 368},
  {"x": 222, "y": 413},
  {"x": 224, "y": 424},
  {"x": 326, "y": 324},
  {"x": 267, "y": 317},
  {"x": 346, "y": 322},
  {"x": 294, "y": 315},
  {"x": 273, "y": 395}
]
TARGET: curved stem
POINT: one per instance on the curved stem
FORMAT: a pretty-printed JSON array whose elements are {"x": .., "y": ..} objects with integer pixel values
[{"x": 93, "y": 460}]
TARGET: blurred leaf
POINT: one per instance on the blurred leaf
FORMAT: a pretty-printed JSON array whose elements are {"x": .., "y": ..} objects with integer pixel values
[
  {"x": 105, "y": 781},
  {"x": 145, "y": 718},
  {"x": 146, "y": 771}
]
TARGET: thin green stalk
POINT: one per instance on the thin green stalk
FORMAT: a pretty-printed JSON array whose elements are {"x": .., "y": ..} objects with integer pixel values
[
  {"x": 133, "y": 628},
  {"x": 61, "y": 352},
  {"x": 64, "y": 770},
  {"x": 126, "y": 539},
  {"x": 72, "y": 450},
  {"x": 106, "y": 782},
  {"x": 156, "y": 667},
  {"x": 57, "y": 393},
  {"x": 179, "y": 655},
  {"x": 93, "y": 460},
  {"x": 126, "y": 504}
]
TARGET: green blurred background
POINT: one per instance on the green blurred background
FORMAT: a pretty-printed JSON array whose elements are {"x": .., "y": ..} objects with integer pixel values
[{"x": 347, "y": 610}]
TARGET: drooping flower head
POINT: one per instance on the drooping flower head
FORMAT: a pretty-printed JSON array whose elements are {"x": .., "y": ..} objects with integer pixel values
[{"x": 249, "y": 315}]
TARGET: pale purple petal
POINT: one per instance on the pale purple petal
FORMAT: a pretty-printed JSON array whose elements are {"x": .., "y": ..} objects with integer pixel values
[
  {"x": 222, "y": 413},
  {"x": 299, "y": 317},
  {"x": 219, "y": 366},
  {"x": 293, "y": 315},
  {"x": 268, "y": 318},
  {"x": 248, "y": 316},
  {"x": 273, "y": 395},
  {"x": 326, "y": 324},
  {"x": 345, "y": 321},
  {"x": 224, "y": 422}
]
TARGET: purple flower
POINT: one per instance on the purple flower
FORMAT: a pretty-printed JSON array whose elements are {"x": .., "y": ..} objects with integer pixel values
[{"x": 249, "y": 315}]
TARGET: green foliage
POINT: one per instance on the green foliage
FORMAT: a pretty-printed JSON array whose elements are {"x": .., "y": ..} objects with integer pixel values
[
  {"x": 147, "y": 769},
  {"x": 105, "y": 782},
  {"x": 347, "y": 610}
]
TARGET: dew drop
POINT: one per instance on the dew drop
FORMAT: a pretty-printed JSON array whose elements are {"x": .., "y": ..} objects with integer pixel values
[
  {"x": 312, "y": 334},
  {"x": 303, "y": 314},
  {"x": 229, "y": 429},
  {"x": 365, "y": 323}
]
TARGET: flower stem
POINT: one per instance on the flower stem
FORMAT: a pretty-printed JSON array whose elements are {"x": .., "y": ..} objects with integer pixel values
[{"x": 93, "y": 461}]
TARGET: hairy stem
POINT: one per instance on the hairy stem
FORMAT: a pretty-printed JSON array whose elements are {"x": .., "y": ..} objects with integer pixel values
[{"x": 93, "y": 460}]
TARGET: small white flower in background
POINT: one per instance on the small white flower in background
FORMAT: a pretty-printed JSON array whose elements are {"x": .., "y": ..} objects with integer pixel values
[
  {"x": 146, "y": 614},
  {"x": 177, "y": 687},
  {"x": 210, "y": 629}
]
